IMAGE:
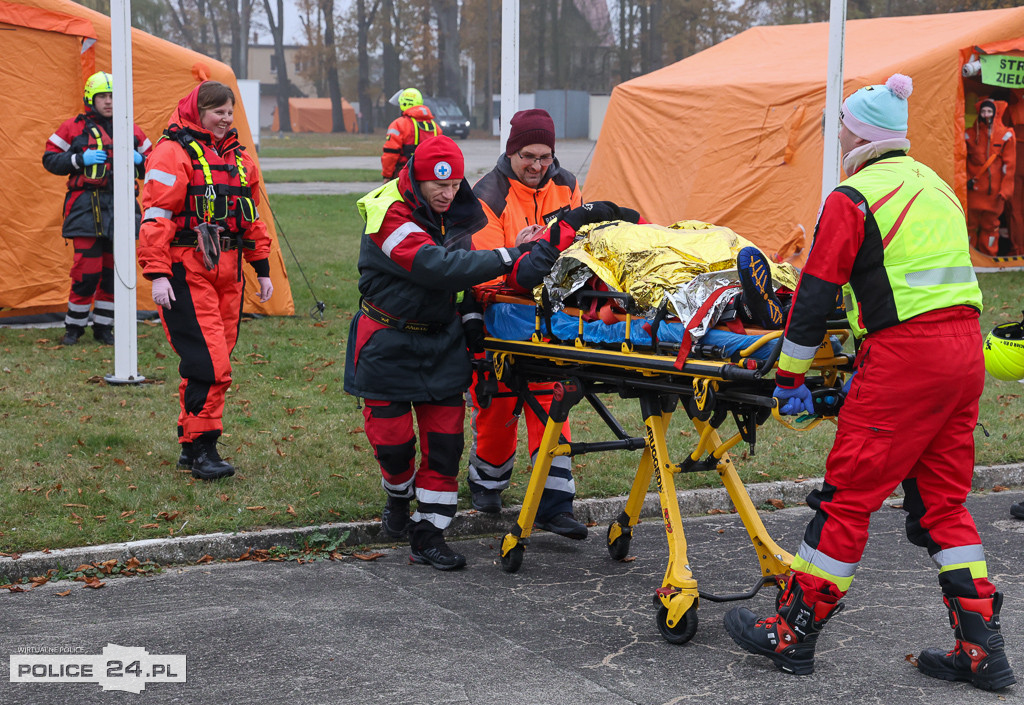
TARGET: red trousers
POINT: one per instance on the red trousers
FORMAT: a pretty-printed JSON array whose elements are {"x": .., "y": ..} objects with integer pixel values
[
  {"x": 495, "y": 436},
  {"x": 910, "y": 419},
  {"x": 202, "y": 327},
  {"x": 434, "y": 483},
  {"x": 92, "y": 279}
]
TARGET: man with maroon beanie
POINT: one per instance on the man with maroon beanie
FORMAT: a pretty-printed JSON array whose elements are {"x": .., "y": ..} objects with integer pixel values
[
  {"x": 407, "y": 351},
  {"x": 526, "y": 189}
]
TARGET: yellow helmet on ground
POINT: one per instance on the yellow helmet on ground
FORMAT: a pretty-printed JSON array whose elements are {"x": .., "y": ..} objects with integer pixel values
[
  {"x": 410, "y": 98},
  {"x": 101, "y": 82},
  {"x": 1004, "y": 351}
]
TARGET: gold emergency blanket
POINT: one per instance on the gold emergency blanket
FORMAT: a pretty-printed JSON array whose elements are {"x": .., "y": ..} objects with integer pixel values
[{"x": 685, "y": 262}]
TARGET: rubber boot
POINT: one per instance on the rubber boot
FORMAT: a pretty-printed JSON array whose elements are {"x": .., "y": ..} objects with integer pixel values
[
  {"x": 787, "y": 638},
  {"x": 187, "y": 456},
  {"x": 207, "y": 463},
  {"x": 978, "y": 655}
]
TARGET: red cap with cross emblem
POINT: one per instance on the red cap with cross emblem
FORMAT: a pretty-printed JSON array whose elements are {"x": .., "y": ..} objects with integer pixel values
[{"x": 438, "y": 159}]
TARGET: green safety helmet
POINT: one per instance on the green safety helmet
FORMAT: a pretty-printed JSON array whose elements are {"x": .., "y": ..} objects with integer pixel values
[
  {"x": 410, "y": 98},
  {"x": 1004, "y": 351},
  {"x": 101, "y": 82}
]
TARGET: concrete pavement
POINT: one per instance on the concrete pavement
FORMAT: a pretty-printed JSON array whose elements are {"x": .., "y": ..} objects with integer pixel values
[
  {"x": 572, "y": 626},
  {"x": 481, "y": 156}
]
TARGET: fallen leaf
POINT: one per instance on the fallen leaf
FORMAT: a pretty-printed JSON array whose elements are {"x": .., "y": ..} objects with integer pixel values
[
  {"x": 999, "y": 488},
  {"x": 62, "y": 594},
  {"x": 368, "y": 556},
  {"x": 83, "y": 506},
  {"x": 256, "y": 509},
  {"x": 777, "y": 503},
  {"x": 205, "y": 559},
  {"x": 125, "y": 515},
  {"x": 291, "y": 510},
  {"x": 716, "y": 511},
  {"x": 150, "y": 526},
  {"x": 911, "y": 659}
]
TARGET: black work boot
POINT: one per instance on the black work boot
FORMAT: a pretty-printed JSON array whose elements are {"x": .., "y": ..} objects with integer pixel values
[
  {"x": 394, "y": 518},
  {"x": 71, "y": 334},
  {"x": 564, "y": 524},
  {"x": 428, "y": 546},
  {"x": 978, "y": 655},
  {"x": 787, "y": 638},
  {"x": 206, "y": 461},
  {"x": 1017, "y": 510},
  {"x": 103, "y": 334},
  {"x": 487, "y": 501},
  {"x": 188, "y": 455}
]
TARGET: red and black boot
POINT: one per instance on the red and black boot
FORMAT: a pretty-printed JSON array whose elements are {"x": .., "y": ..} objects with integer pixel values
[
  {"x": 978, "y": 655},
  {"x": 787, "y": 638}
]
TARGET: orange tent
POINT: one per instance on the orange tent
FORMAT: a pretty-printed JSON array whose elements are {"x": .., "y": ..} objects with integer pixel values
[
  {"x": 49, "y": 48},
  {"x": 314, "y": 115},
  {"x": 733, "y": 135}
]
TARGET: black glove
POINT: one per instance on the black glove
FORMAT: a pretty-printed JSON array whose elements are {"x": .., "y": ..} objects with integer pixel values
[
  {"x": 598, "y": 212},
  {"x": 530, "y": 269},
  {"x": 970, "y": 184},
  {"x": 473, "y": 327}
]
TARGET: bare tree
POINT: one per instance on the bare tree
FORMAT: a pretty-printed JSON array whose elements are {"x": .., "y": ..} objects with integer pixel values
[
  {"x": 364, "y": 20},
  {"x": 276, "y": 24}
]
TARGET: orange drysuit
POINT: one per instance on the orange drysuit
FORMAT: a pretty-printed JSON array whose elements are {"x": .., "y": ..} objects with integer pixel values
[
  {"x": 510, "y": 206},
  {"x": 1015, "y": 113},
  {"x": 991, "y": 161},
  {"x": 404, "y": 134},
  {"x": 202, "y": 323}
]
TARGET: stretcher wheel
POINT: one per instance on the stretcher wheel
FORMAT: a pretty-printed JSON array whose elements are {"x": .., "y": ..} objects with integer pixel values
[
  {"x": 513, "y": 560},
  {"x": 619, "y": 548},
  {"x": 683, "y": 631}
]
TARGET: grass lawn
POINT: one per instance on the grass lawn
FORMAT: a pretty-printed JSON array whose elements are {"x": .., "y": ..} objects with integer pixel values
[
  {"x": 293, "y": 176},
  {"x": 86, "y": 463},
  {"x": 316, "y": 144}
]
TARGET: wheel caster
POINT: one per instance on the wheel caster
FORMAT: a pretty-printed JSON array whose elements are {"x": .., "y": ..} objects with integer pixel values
[
  {"x": 618, "y": 548},
  {"x": 683, "y": 631},
  {"x": 513, "y": 560}
]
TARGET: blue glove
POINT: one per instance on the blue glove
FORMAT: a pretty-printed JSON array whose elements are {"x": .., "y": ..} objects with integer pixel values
[
  {"x": 794, "y": 401},
  {"x": 91, "y": 157},
  {"x": 138, "y": 158}
]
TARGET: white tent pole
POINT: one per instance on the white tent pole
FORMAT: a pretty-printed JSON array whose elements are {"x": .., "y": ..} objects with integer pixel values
[
  {"x": 833, "y": 97},
  {"x": 509, "y": 65},
  {"x": 126, "y": 363}
]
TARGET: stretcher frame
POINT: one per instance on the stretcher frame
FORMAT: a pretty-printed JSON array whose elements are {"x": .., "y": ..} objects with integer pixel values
[{"x": 711, "y": 391}]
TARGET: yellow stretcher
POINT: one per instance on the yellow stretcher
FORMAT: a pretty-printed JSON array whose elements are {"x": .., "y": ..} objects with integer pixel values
[{"x": 710, "y": 391}]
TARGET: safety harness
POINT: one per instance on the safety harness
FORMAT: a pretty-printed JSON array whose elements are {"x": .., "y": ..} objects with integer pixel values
[{"x": 214, "y": 205}]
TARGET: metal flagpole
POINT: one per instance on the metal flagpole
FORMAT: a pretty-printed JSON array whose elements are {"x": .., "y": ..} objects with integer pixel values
[
  {"x": 125, "y": 341},
  {"x": 833, "y": 97},
  {"x": 509, "y": 65}
]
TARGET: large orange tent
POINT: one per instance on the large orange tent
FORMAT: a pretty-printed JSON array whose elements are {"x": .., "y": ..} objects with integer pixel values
[
  {"x": 733, "y": 135},
  {"x": 315, "y": 115},
  {"x": 49, "y": 48}
]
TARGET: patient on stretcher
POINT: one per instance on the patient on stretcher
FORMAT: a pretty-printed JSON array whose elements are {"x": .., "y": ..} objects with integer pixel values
[{"x": 695, "y": 278}]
